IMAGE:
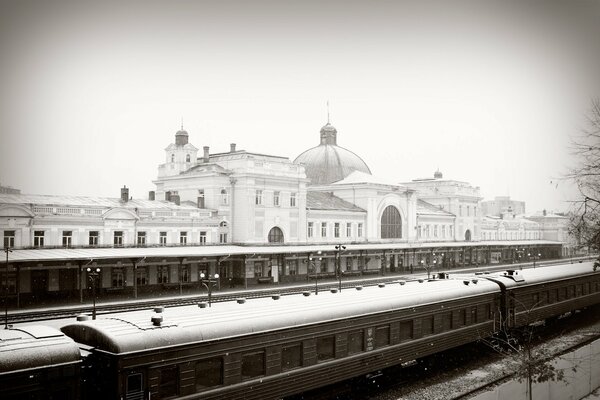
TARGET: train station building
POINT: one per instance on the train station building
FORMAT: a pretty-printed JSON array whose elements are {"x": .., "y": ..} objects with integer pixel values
[{"x": 252, "y": 218}]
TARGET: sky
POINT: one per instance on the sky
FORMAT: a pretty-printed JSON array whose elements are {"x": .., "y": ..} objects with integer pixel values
[{"x": 488, "y": 92}]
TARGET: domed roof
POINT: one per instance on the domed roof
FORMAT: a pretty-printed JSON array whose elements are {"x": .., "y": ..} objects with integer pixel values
[{"x": 328, "y": 162}]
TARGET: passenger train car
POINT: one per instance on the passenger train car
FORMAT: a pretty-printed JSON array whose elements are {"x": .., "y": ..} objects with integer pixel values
[
  {"x": 38, "y": 362},
  {"x": 273, "y": 347}
]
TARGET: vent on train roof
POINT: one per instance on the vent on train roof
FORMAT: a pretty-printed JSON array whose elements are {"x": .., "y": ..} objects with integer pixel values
[{"x": 156, "y": 320}]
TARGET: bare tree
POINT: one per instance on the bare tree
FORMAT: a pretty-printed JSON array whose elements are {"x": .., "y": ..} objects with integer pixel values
[{"x": 585, "y": 217}]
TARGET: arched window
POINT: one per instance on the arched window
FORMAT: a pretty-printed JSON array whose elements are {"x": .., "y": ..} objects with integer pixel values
[
  {"x": 172, "y": 157},
  {"x": 224, "y": 197},
  {"x": 468, "y": 235},
  {"x": 187, "y": 158},
  {"x": 223, "y": 224},
  {"x": 275, "y": 235},
  {"x": 391, "y": 223}
]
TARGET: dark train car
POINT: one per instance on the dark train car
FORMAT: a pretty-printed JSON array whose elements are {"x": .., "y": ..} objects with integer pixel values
[
  {"x": 269, "y": 348},
  {"x": 537, "y": 294},
  {"x": 38, "y": 362}
]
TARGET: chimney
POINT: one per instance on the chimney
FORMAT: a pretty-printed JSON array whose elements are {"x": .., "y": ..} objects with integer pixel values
[
  {"x": 175, "y": 198},
  {"x": 151, "y": 195},
  {"x": 124, "y": 194},
  {"x": 206, "y": 156},
  {"x": 232, "y": 148},
  {"x": 168, "y": 196}
]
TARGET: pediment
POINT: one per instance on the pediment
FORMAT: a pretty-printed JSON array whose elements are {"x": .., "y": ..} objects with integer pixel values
[
  {"x": 120, "y": 213},
  {"x": 15, "y": 210}
]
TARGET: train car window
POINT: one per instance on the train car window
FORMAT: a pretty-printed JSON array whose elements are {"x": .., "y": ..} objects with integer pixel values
[
  {"x": 291, "y": 357},
  {"x": 382, "y": 336},
  {"x": 406, "y": 330},
  {"x": 325, "y": 348},
  {"x": 447, "y": 321},
  {"x": 253, "y": 364},
  {"x": 548, "y": 299},
  {"x": 571, "y": 290},
  {"x": 356, "y": 342},
  {"x": 427, "y": 325},
  {"x": 586, "y": 288},
  {"x": 209, "y": 373},
  {"x": 473, "y": 315},
  {"x": 488, "y": 311},
  {"x": 556, "y": 295},
  {"x": 134, "y": 384},
  {"x": 168, "y": 382},
  {"x": 535, "y": 298},
  {"x": 579, "y": 290}
]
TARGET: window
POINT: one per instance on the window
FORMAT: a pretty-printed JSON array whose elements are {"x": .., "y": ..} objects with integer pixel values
[
  {"x": 293, "y": 199},
  {"x": 224, "y": 197},
  {"x": 118, "y": 238},
  {"x": 451, "y": 231},
  {"x": 258, "y": 269},
  {"x": 427, "y": 234},
  {"x": 325, "y": 348},
  {"x": 447, "y": 321},
  {"x": 202, "y": 237},
  {"x": 323, "y": 265},
  {"x": 406, "y": 330},
  {"x": 348, "y": 229},
  {"x": 323, "y": 229},
  {"x": 391, "y": 223},
  {"x": 185, "y": 273},
  {"x": 460, "y": 211},
  {"x": 309, "y": 232},
  {"x": 141, "y": 276},
  {"x": 134, "y": 385},
  {"x": 275, "y": 235},
  {"x": 474, "y": 211},
  {"x": 427, "y": 325},
  {"x": 93, "y": 238},
  {"x": 141, "y": 238},
  {"x": 258, "y": 197},
  {"x": 468, "y": 211},
  {"x": 182, "y": 237},
  {"x": 222, "y": 238},
  {"x": 276, "y": 199},
  {"x": 209, "y": 373},
  {"x": 172, "y": 157},
  {"x": 67, "y": 237},
  {"x": 162, "y": 274},
  {"x": 187, "y": 158},
  {"x": 349, "y": 263},
  {"x": 200, "y": 198},
  {"x": 162, "y": 238},
  {"x": 291, "y": 357},
  {"x": 38, "y": 238},
  {"x": 443, "y": 231},
  {"x": 336, "y": 230},
  {"x": 435, "y": 231},
  {"x": 117, "y": 278},
  {"x": 360, "y": 230},
  {"x": 382, "y": 336},
  {"x": 169, "y": 381},
  {"x": 292, "y": 267},
  {"x": 355, "y": 342},
  {"x": 419, "y": 231},
  {"x": 253, "y": 364}
]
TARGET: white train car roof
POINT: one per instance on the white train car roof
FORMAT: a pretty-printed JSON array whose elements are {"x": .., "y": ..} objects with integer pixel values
[
  {"x": 35, "y": 347},
  {"x": 134, "y": 331},
  {"x": 548, "y": 274}
]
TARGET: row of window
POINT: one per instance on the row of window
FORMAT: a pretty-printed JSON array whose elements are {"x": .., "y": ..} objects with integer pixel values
[
  {"x": 509, "y": 235},
  {"x": 209, "y": 373},
  {"x": 563, "y": 293},
  {"x": 441, "y": 231},
  {"x": 468, "y": 208},
  {"x": 39, "y": 238},
  {"x": 337, "y": 229},
  {"x": 259, "y": 198}
]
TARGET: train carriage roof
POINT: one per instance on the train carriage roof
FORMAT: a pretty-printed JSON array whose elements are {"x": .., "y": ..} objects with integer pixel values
[
  {"x": 134, "y": 331},
  {"x": 35, "y": 347},
  {"x": 548, "y": 274}
]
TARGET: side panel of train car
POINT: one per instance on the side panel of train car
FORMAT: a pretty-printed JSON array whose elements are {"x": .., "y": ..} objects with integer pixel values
[
  {"x": 286, "y": 361},
  {"x": 38, "y": 363}
]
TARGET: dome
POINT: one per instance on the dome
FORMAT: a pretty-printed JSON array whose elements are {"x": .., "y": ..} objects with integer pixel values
[
  {"x": 328, "y": 162},
  {"x": 181, "y": 137}
]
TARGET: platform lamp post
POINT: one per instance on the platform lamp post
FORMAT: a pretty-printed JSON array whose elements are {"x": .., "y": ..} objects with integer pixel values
[
  {"x": 535, "y": 257},
  {"x": 313, "y": 263},
  {"x": 93, "y": 274},
  {"x": 338, "y": 250},
  {"x": 209, "y": 283},
  {"x": 6, "y": 250}
]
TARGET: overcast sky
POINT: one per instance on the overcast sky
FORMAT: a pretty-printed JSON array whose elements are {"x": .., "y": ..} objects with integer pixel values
[{"x": 488, "y": 92}]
